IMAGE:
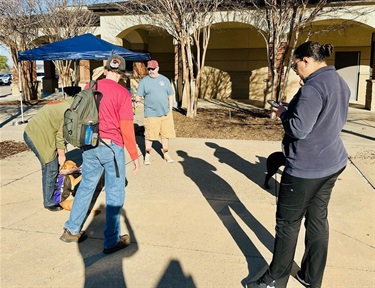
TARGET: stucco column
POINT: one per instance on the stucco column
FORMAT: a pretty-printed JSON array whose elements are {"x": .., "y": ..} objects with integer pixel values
[{"x": 370, "y": 88}]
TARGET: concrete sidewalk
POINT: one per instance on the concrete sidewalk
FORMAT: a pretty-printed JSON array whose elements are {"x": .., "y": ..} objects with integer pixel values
[{"x": 203, "y": 221}]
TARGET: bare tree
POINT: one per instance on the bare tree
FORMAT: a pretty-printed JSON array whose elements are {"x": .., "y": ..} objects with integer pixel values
[
  {"x": 63, "y": 19},
  {"x": 203, "y": 15},
  {"x": 281, "y": 24},
  {"x": 27, "y": 24},
  {"x": 18, "y": 28},
  {"x": 188, "y": 22}
]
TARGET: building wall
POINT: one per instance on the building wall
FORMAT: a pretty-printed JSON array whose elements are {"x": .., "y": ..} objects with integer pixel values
[{"x": 236, "y": 61}]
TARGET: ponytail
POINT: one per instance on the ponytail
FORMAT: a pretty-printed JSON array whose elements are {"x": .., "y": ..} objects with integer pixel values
[{"x": 315, "y": 50}]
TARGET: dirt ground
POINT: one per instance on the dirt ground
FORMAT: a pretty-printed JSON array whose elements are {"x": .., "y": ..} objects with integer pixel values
[{"x": 240, "y": 124}]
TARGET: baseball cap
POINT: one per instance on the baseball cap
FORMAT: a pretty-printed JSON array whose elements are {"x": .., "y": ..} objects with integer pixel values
[
  {"x": 152, "y": 64},
  {"x": 115, "y": 62}
]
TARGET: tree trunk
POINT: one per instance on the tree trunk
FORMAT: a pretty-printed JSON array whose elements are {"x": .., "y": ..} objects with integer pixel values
[
  {"x": 185, "y": 77},
  {"x": 190, "y": 110}
]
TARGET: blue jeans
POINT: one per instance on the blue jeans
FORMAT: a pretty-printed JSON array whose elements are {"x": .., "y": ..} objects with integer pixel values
[
  {"x": 50, "y": 171},
  {"x": 298, "y": 198},
  {"x": 94, "y": 162}
]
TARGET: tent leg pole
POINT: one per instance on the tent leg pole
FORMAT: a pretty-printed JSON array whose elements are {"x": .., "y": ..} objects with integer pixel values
[{"x": 21, "y": 100}]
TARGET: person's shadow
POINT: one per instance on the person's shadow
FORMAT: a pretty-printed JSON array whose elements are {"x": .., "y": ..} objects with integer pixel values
[
  {"x": 224, "y": 201},
  {"x": 254, "y": 172},
  {"x": 103, "y": 270},
  {"x": 175, "y": 277}
]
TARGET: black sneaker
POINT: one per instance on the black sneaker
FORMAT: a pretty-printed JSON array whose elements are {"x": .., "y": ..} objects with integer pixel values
[
  {"x": 260, "y": 284},
  {"x": 54, "y": 208},
  {"x": 301, "y": 279},
  {"x": 123, "y": 243},
  {"x": 68, "y": 237}
]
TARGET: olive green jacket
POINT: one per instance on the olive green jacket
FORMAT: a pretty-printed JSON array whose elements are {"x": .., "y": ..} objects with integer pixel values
[{"x": 45, "y": 128}]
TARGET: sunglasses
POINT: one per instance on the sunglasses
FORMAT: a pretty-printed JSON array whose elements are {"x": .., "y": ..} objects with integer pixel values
[
  {"x": 151, "y": 69},
  {"x": 294, "y": 65}
]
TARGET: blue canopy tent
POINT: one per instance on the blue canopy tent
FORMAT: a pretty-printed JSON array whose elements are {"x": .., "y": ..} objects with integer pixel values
[{"x": 83, "y": 47}]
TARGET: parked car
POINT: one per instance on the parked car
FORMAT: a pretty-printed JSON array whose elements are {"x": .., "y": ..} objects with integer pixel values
[{"x": 6, "y": 79}]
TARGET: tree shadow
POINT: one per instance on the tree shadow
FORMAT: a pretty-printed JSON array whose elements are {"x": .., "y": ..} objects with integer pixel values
[
  {"x": 224, "y": 201},
  {"x": 175, "y": 277},
  {"x": 358, "y": 134},
  {"x": 103, "y": 270},
  {"x": 248, "y": 169},
  {"x": 14, "y": 113}
]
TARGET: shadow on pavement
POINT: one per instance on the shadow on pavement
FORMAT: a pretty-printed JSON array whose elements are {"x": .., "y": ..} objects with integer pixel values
[
  {"x": 252, "y": 171},
  {"x": 14, "y": 115},
  {"x": 224, "y": 201},
  {"x": 156, "y": 145},
  {"x": 103, "y": 270},
  {"x": 358, "y": 134},
  {"x": 174, "y": 277}
]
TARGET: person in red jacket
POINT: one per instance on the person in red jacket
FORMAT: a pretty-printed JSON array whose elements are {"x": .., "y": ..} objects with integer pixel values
[{"x": 116, "y": 129}]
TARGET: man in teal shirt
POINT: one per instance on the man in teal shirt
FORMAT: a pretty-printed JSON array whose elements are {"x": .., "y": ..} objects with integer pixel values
[{"x": 158, "y": 103}]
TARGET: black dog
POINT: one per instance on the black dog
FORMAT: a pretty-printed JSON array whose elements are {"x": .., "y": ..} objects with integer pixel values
[{"x": 274, "y": 161}]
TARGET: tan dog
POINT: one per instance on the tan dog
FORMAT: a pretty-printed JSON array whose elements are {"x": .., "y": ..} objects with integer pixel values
[{"x": 66, "y": 168}]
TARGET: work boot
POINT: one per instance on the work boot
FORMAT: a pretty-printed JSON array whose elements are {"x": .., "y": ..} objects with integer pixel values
[
  {"x": 121, "y": 244},
  {"x": 68, "y": 237}
]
